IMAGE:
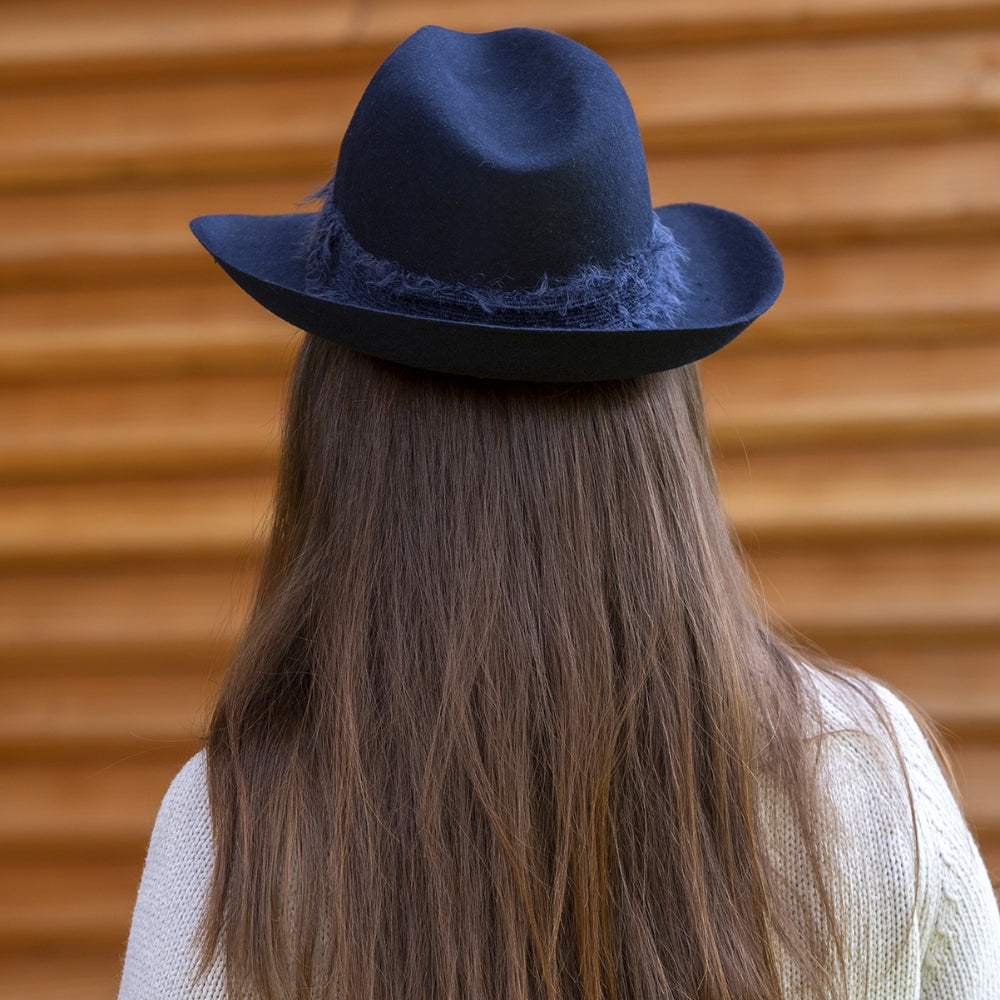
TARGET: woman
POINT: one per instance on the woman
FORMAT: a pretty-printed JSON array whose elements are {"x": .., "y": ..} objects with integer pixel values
[{"x": 506, "y": 721}]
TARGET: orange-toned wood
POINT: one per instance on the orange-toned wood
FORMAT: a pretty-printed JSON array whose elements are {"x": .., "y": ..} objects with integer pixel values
[
  {"x": 989, "y": 845},
  {"x": 800, "y": 197},
  {"x": 132, "y": 711},
  {"x": 868, "y": 586},
  {"x": 132, "y": 607},
  {"x": 168, "y": 129},
  {"x": 837, "y": 395},
  {"x": 74, "y": 806},
  {"x": 55, "y": 37},
  {"x": 883, "y": 492},
  {"x": 48, "y": 656},
  {"x": 952, "y": 676},
  {"x": 883, "y": 587},
  {"x": 135, "y": 703},
  {"x": 42, "y": 973},
  {"x": 831, "y": 395},
  {"x": 143, "y": 328},
  {"x": 88, "y": 898},
  {"x": 728, "y": 97},
  {"x": 50, "y": 231},
  {"x": 923, "y": 284},
  {"x": 976, "y": 767},
  {"x": 851, "y": 296},
  {"x": 774, "y": 496},
  {"x": 129, "y": 699},
  {"x": 208, "y": 424},
  {"x": 857, "y": 423},
  {"x": 839, "y": 193},
  {"x": 75, "y": 901},
  {"x": 174, "y": 520}
]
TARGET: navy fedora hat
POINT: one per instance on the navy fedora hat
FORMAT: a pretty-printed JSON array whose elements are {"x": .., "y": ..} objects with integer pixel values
[{"x": 490, "y": 216}]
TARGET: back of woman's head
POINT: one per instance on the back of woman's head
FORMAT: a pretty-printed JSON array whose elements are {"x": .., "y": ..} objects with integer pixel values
[
  {"x": 414, "y": 486},
  {"x": 496, "y": 724}
]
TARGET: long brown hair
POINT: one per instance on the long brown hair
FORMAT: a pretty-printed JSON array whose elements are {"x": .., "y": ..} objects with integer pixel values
[{"x": 497, "y": 724}]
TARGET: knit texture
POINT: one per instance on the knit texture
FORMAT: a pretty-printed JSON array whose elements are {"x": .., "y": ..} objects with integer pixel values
[{"x": 927, "y": 930}]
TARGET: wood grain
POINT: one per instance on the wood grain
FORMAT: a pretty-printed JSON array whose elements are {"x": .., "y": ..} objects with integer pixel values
[
  {"x": 857, "y": 425},
  {"x": 56, "y": 38},
  {"x": 719, "y": 98}
]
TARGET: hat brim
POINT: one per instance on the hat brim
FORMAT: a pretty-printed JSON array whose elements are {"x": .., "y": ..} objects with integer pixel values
[{"x": 733, "y": 275}]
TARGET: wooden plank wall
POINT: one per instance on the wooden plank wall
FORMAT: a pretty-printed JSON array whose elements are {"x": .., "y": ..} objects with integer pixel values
[{"x": 857, "y": 425}]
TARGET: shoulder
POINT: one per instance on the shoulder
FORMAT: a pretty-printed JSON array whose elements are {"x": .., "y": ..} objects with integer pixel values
[
  {"x": 180, "y": 849},
  {"x": 907, "y": 836},
  {"x": 865, "y": 727},
  {"x": 875, "y": 756},
  {"x": 856, "y": 712},
  {"x": 185, "y": 809},
  {"x": 163, "y": 947}
]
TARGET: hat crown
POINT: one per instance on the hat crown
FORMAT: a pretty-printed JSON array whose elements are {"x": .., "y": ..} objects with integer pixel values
[
  {"x": 494, "y": 159},
  {"x": 490, "y": 216}
]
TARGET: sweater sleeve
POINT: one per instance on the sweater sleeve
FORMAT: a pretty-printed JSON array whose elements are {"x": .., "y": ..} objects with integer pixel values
[
  {"x": 162, "y": 957},
  {"x": 957, "y": 913}
]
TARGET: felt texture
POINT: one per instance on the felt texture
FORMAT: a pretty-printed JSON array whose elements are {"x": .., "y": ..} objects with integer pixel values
[
  {"x": 490, "y": 216},
  {"x": 642, "y": 289},
  {"x": 505, "y": 155}
]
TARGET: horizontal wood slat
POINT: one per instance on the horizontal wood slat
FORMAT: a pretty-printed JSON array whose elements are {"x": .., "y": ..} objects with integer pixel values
[
  {"x": 857, "y": 425},
  {"x": 733, "y": 97},
  {"x": 178, "y": 425},
  {"x": 976, "y": 766},
  {"x": 88, "y": 900},
  {"x": 122, "y": 606},
  {"x": 149, "y": 323},
  {"x": 43, "y": 973},
  {"x": 863, "y": 295},
  {"x": 46, "y": 657},
  {"x": 146, "y": 706},
  {"x": 172, "y": 520},
  {"x": 78, "y": 902},
  {"x": 990, "y": 847},
  {"x": 830, "y": 395},
  {"x": 807, "y": 92},
  {"x": 877, "y": 491},
  {"x": 835, "y": 395},
  {"x": 141, "y": 705},
  {"x": 72, "y": 807},
  {"x": 952, "y": 677},
  {"x": 49, "y": 233},
  {"x": 779, "y": 496},
  {"x": 140, "y": 328},
  {"x": 799, "y": 198},
  {"x": 67, "y": 809},
  {"x": 873, "y": 587},
  {"x": 50, "y": 38},
  {"x": 855, "y": 193},
  {"x": 867, "y": 587}
]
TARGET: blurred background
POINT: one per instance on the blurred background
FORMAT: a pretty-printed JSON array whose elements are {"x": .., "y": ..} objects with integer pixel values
[{"x": 857, "y": 425}]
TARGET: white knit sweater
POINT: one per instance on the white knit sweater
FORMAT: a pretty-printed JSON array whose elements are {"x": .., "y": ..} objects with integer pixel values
[{"x": 949, "y": 950}]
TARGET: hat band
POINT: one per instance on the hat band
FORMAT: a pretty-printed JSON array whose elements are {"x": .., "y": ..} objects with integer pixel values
[{"x": 642, "y": 290}]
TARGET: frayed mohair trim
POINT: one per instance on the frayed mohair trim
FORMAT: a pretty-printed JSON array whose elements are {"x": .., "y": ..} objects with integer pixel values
[{"x": 642, "y": 290}]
